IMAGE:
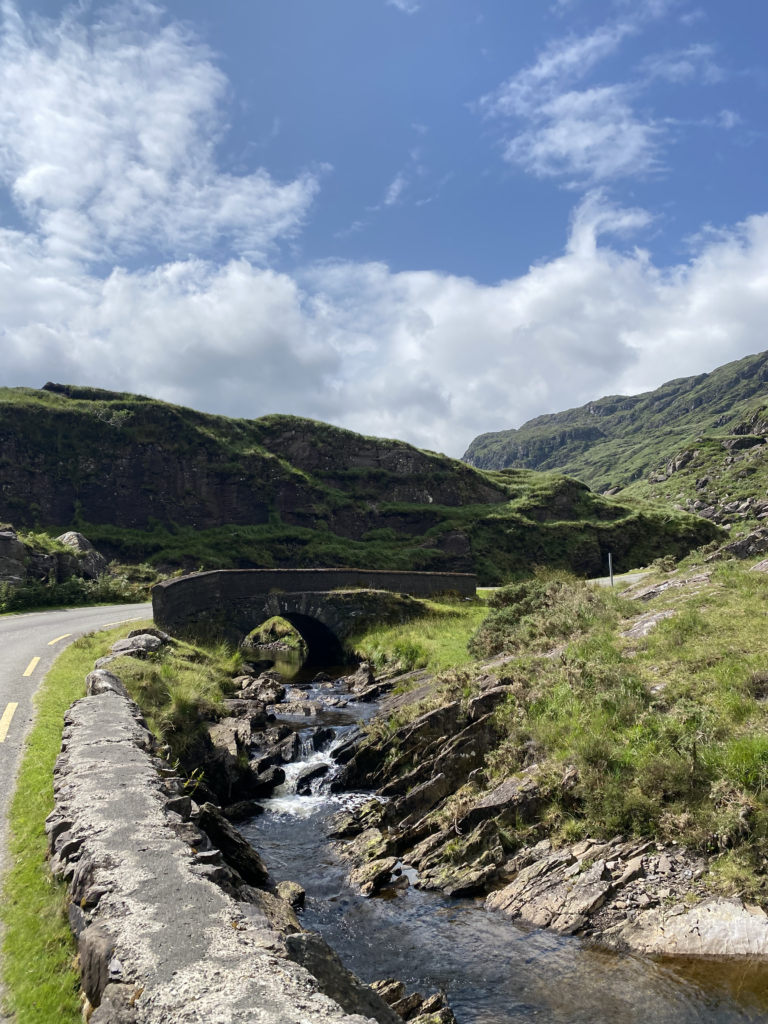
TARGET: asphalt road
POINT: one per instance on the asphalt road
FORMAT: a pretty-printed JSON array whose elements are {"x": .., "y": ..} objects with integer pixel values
[{"x": 29, "y": 644}]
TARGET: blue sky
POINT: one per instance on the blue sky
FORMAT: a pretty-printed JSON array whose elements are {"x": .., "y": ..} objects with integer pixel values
[{"x": 420, "y": 218}]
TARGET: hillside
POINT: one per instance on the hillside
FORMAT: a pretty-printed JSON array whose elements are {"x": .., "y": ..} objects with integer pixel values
[
  {"x": 619, "y": 439},
  {"x": 147, "y": 481}
]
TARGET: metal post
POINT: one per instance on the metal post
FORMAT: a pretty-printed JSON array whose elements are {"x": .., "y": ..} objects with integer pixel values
[{"x": 610, "y": 566}]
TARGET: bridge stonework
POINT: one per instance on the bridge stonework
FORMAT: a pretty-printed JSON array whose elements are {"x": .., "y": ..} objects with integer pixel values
[{"x": 325, "y": 605}]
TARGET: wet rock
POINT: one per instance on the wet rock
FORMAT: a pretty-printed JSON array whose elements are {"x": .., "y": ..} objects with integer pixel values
[
  {"x": 242, "y": 810},
  {"x": 267, "y": 781},
  {"x": 235, "y": 849},
  {"x": 322, "y": 677},
  {"x": 292, "y": 893},
  {"x": 307, "y": 777},
  {"x": 369, "y": 845},
  {"x": 277, "y": 913},
  {"x": 286, "y": 751},
  {"x": 467, "y": 868},
  {"x": 370, "y": 877},
  {"x": 101, "y": 681},
  {"x": 408, "y": 1007},
  {"x": 323, "y": 738},
  {"x": 389, "y": 989},
  {"x": 298, "y": 708},
  {"x": 335, "y": 980}
]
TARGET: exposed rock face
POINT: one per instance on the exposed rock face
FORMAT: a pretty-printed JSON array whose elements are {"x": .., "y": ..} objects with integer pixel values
[
  {"x": 165, "y": 923},
  {"x": 717, "y": 927}
]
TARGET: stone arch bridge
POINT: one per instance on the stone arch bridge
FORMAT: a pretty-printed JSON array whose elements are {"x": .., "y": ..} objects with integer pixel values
[{"x": 324, "y": 605}]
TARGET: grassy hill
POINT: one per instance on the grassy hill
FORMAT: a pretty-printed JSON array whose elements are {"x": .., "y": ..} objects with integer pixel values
[
  {"x": 151, "y": 482},
  {"x": 617, "y": 440}
]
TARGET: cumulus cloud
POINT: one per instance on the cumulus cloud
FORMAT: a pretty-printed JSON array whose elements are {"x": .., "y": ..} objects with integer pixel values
[
  {"x": 426, "y": 356},
  {"x": 108, "y": 139}
]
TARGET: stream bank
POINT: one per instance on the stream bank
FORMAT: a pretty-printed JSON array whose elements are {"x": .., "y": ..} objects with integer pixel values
[{"x": 491, "y": 969}]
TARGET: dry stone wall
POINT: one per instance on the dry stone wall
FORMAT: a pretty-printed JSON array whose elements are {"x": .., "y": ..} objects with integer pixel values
[{"x": 168, "y": 930}]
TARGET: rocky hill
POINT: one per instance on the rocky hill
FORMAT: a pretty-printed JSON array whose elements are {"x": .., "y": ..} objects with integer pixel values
[
  {"x": 147, "y": 481},
  {"x": 622, "y": 438}
]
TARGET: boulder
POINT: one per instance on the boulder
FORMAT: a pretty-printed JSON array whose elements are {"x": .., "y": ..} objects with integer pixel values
[
  {"x": 242, "y": 810},
  {"x": 389, "y": 989},
  {"x": 279, "y": 914},
  {"x": 100, "y": 681},
  {"x": 164, "y": 638},
  {"x": 754, "y": 543},
  {"x": 292, "y": 893},
  {"x": 264, "y": 689},
  {"x": 12, "y": 569},
  {"x": 373, "y": 875},
  {"x": 138, "y": 646},
  {"x": 236, "y": 850},
  {"x": 92, "y": 563}
]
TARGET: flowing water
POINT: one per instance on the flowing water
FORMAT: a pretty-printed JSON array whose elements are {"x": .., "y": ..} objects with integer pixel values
[{"x": 491, "y": 970}]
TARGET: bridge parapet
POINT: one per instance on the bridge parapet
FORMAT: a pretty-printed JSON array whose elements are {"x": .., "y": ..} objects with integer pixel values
[{"x": 320, "y": 603}]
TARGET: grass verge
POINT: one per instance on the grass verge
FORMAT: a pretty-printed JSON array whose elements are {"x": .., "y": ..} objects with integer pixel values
[
  {"x": 38, "y": 951},
  {"x": 437, "y": 641}
]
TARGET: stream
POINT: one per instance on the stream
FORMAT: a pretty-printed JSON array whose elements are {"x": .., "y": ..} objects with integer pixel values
[{"x": 491, "y": 970}]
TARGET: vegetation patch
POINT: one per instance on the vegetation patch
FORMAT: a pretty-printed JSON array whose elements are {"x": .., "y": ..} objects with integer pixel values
[
  {"x": 434, "y": 642},
  {"x": 108, "y": 589}
]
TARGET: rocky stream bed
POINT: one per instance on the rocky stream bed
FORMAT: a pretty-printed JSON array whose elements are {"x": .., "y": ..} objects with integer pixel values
[{"x": 337, "y": 863}]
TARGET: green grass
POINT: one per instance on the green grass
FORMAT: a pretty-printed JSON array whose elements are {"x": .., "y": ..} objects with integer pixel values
[
  {"x": 38, "y": 949},
  {"x": 36, "y": 595},
  {"x": 434, "y": 642},
  {"x": 669, "y": 732},
  {"x": 439, "y": 515}
]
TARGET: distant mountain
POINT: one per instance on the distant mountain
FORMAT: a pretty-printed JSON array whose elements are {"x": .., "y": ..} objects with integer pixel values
[
  {"x": 620, "y": 439},
  {"x": 148, "y": 481}
]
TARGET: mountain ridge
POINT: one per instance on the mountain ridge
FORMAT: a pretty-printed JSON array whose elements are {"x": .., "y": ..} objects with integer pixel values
[{"x": 615, "y": 440}]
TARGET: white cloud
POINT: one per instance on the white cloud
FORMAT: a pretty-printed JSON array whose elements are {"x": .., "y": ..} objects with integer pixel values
[
  {"x": 396, "y": 189},
  {"x": 590, "y": 135},
  {"x": 406, "y": 6},
  {"x": 108, "y": 140},
  {"x": 683, "y": 66},
  {"x": 430, "y": 357},
  {"x": 729, "y": 119}
]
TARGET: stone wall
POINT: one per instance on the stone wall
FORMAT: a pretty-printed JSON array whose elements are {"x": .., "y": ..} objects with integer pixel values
[
  {"x": 168, "y": 930},
  {"x": 235, "y": 601}
]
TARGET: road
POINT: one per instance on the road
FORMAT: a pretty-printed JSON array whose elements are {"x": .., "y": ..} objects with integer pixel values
[
  {"x": 29, "y": 644},
  {"x": 620, "y": 581}
]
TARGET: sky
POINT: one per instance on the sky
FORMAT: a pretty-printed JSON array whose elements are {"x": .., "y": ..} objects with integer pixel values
[{"x": 424, "y": 219}]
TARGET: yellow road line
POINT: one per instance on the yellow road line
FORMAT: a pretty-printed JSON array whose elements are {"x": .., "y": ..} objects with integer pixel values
[
  {"x": 120, "y": 621},
  {"x": 62, "y": 637},
  {"x": 5, "y": 721},
  {"x": 31, "y": 667}
]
